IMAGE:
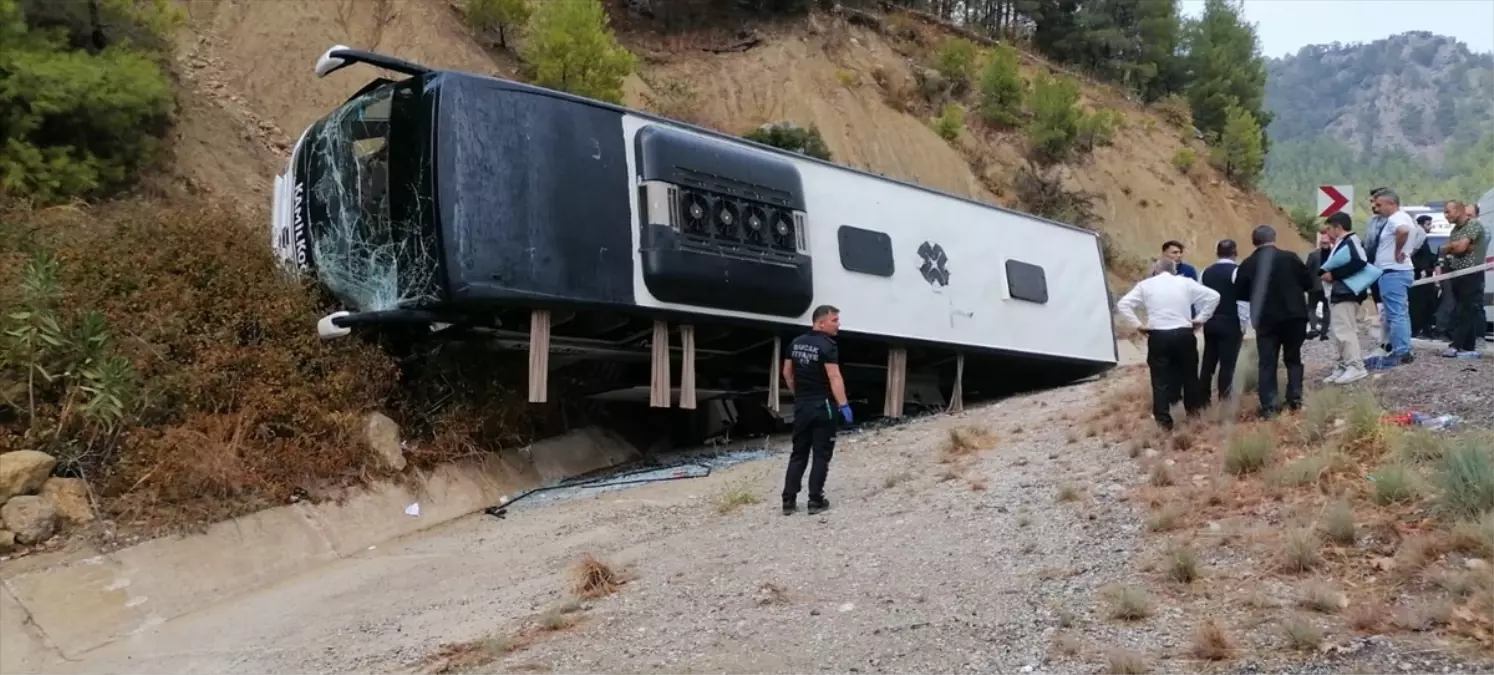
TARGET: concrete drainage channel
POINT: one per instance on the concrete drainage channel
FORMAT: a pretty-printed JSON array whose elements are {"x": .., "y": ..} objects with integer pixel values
[
  {"x": 683, "y": 465},
  {"x": 57, "y": 612}
]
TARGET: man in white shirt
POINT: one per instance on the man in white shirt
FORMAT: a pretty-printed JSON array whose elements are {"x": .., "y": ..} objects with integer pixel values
[
  {"x": 1399, "y": 238},
  {"x": 1171, "y": 347}
]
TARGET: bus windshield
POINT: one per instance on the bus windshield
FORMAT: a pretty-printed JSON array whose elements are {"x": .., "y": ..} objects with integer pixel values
[{"x": 370, "y": 241}]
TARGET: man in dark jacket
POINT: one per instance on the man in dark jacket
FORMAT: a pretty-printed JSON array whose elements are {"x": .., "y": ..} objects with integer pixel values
[
  {"x": 1224, "y": 332},
  {"x": 1423, "y": 297},
  {"x": 1317, "y": 301},
  {"x": 1275, "y": 283}
]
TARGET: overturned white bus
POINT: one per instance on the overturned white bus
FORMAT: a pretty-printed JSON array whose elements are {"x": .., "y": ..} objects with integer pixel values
[{"x": 453, "y": 205}]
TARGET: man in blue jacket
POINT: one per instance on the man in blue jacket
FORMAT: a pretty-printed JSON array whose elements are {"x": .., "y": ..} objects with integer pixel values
[
  {"x": 1173, "y": 250},
  {"x": 1347, "y": 276}
]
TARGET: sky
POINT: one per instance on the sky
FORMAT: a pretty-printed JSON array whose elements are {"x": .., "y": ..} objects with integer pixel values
[{"x": 1284, "y": 26}]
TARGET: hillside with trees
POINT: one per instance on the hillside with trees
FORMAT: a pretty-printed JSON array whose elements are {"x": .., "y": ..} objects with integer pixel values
[{"x": 1410, "y": 111}]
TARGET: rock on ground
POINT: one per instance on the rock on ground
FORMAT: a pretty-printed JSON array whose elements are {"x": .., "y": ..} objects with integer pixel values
[
  {"x": 22, "y": 472},
  {"x": 382, "y": 436},
  {"x": 70, "y": 497},
  {"x": 33, "y": 519},
  {"x": 7, "y": 541}
]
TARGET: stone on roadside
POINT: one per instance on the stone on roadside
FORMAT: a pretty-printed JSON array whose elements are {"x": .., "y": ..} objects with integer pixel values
[
  {"x": 70, "y": 497},
  {"x": 22, "y": 472},
  {"x": 31, "y": 518},
  {"x": 382, "y": 436}
]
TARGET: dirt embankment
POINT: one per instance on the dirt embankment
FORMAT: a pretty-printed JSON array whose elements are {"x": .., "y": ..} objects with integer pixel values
[{"x": 248, "y": 67}]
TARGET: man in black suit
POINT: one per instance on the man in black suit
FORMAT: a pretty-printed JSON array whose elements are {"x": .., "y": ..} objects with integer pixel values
[
  {"x": 1317, "y": 301},
  {"x": 1224, "y": 332},
  {"x": 1275, "y": 283}
]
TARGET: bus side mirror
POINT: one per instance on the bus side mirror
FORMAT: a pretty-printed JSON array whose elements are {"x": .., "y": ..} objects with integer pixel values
[{"x": 330, "y": 62}]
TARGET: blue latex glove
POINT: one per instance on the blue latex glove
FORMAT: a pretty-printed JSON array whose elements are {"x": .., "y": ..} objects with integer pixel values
[{"x": 845, "y": 411}]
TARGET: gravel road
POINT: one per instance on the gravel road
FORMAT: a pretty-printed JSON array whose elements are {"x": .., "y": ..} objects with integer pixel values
[{"x": 920, "y": 566}]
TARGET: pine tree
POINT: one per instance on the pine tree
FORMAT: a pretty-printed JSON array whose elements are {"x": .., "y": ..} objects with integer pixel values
[
  {"x": 1239, "y": 153},
  {"x": 1054, "y": 127},
  {"x": 486, "y": 16},
  {"x": 1001, "y": 87},
  {"x": 571, "y": 48},
  {"x": 1226, "y": 66}
]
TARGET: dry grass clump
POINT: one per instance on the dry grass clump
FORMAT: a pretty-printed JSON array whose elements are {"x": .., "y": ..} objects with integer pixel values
[
  {"x": 1364, "y": 433},
  {"x": 1182, "y": 565},
  {"x": 1248, "y": 451},
  {"x": 592, "y": 578},
  {"x": 1160, "y": 475},
  {"x": 1367, "y": 617},
  {"x": 1210, "y": 642},
  {"x": 1319, "y": 409},
  {"x": 1320, "y": 596},
  {"x": 894, "y": 479},
  {"x": 1338, "y": 523},
  {"x": 1423, "y": 616},
  {"x": 1303, "y": 471},
  {"x": 1068, "y": 493},
  {"x": 1474, "y": 537},
  {"x": 1126, "y": 662},
  {"x": 967, "y": 440},
  {"x": 1394, "y": 483},
  {"x": 1129, "y": 603},
  {"x": 735, "y": 495},
  {"x": 1166, "y": 518},
  {"x": 1420, "y": 446},
  {"x": 1301, "y": 634},
  {"x": 1300, "y": 552}
]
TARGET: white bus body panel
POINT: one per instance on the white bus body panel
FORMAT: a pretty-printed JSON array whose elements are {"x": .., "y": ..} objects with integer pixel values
[{"x": 975, "y": 308}]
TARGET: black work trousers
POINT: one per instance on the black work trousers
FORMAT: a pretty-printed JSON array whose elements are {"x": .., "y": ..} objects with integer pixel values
[
  {"x": 1280, "y": 342},
  {"x": 1423, "y": 310},
  {"x": 1468, "y": 311},
  {"x": 1221, "y": 350},
  {"x": 814, "y": 443},
  {"x": 1444, "y": 309},
  {"x": 1315, "y": 323},
  {"x": 1172, "y": 358}
]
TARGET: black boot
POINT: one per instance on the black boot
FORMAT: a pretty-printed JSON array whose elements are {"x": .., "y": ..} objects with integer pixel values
[
  {"x": 789, "y": 507},
  {"x": 818, "y": 504}
]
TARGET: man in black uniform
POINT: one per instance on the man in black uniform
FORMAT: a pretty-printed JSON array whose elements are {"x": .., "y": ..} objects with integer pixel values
[
  {"x": 812, "y": 371},
  {"x": 1224, "y": 332}
]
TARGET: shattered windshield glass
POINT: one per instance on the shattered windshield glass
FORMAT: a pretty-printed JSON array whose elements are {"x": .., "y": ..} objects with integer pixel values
[{"x": 367, "y": 201}]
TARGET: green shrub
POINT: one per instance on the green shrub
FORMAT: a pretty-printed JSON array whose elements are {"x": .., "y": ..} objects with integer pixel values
[
  {"x": 1001, "y": 88},
  {"x": 791, "y": 137},
  {"x": 1097, "y": 128},
  {"x": 571, "y": 48},
  {"x": 1184, "y": 159},
  {"x": 1054, "y": 127},
  {"x": 950, "y": 123},
  {"x": 1241, "y": 152},
  {"x": 1305, "y": 222},
  {"x": 955, "y": 60},
  {"x": 1467, "y": 476},
  {"x": 1175, "y": 110},
  {"x": 75, "y": 123}
]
